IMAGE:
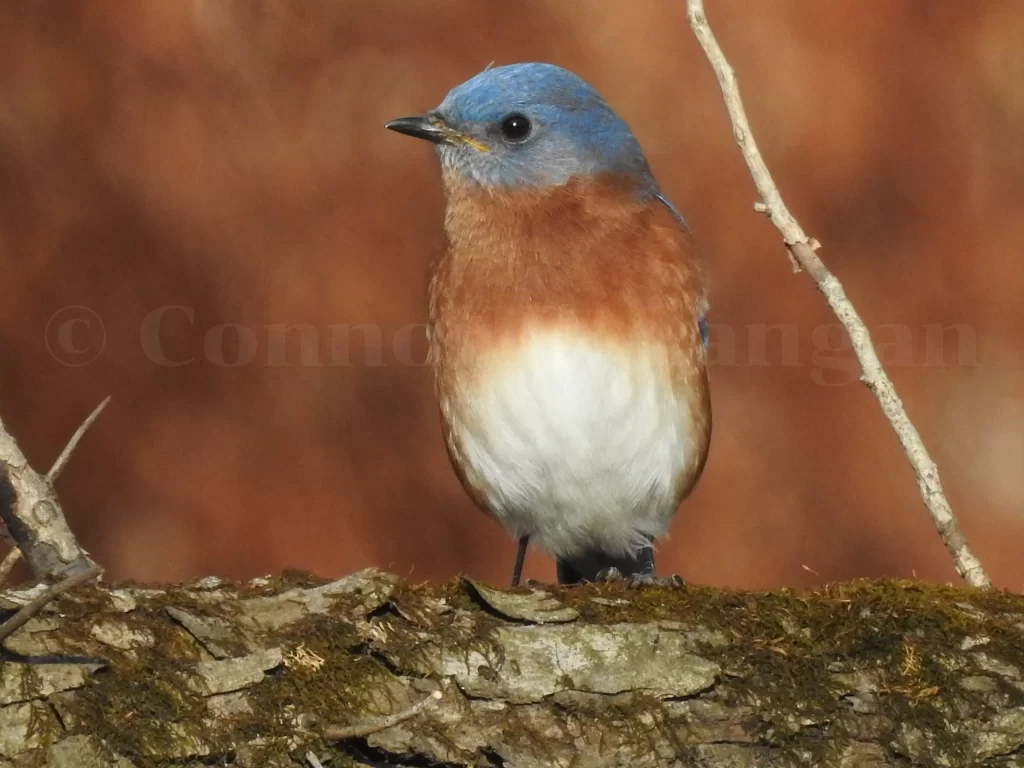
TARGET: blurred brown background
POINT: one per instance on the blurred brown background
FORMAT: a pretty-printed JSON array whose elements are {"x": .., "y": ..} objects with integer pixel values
[{"x": 228, "y": 156}]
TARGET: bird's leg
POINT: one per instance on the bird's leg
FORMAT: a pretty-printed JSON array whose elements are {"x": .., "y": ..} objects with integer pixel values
[{"x": 517, "y": 569}]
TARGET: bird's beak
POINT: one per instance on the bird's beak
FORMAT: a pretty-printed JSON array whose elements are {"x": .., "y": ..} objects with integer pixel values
[
  {"x": 433, "y": 129},
  {"x": 430, "y": 128}
]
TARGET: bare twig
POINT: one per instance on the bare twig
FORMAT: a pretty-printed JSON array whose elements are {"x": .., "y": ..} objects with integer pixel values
[
  {"x": 65, "y": 455},
  {"x": 8, "y": 564},
  {"x": 802, "y": 251},
  {"x": 28, "y": 611},
  {"x": 337, "y": 732}
]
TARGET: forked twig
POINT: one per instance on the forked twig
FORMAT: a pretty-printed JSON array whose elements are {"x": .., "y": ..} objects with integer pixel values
[
  {"x": 802, "y": 250},
  {"x": 31, "y": 511}
]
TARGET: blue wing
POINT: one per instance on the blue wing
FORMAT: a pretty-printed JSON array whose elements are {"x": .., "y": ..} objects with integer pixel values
[{"x": 675, "y": 211}]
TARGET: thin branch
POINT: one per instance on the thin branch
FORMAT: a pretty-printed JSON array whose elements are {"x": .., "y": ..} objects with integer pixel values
[
  {"x": 65, "y": 455},
  {"x": 8, "y": 564},
  {"x": 27, "y": 612},
  {"x": 338, "y": 733},
  {"x": 802, "y": 251}
]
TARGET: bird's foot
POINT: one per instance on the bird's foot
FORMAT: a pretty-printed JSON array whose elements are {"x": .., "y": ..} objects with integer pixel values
[
  {"x": 609, "y": 575},
  {"x": 672, "y": 581},
  {"x": 638, "y": 580}
]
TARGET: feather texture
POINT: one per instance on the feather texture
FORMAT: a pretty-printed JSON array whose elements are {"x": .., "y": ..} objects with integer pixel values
[{"x": 569, "y": 365}]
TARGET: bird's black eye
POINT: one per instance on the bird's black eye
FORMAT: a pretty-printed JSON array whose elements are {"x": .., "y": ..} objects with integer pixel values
[{"x": 516, "y": 127}]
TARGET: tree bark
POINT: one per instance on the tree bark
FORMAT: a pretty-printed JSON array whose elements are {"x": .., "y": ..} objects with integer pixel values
[{"x": 213, "y": 673}]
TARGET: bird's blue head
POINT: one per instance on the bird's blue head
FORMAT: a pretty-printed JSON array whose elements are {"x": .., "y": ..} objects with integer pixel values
[{"x": 529, "y": 125}]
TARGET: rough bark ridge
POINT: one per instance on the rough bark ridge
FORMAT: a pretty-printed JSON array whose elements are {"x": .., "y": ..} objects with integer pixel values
[{"x": 212, "y": 673}]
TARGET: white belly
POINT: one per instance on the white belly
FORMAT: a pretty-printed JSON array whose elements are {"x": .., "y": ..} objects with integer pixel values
[{"x": 578, "y": 443}]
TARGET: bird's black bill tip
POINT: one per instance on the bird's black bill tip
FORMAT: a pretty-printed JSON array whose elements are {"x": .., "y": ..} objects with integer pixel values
[{"x": 424, "y": 127}]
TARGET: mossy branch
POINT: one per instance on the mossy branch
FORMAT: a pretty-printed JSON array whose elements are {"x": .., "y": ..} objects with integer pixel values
[{"x": 872, "y": 673}]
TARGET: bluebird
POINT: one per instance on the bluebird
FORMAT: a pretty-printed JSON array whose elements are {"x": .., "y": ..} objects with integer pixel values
[{"x": 567, "y": 322}]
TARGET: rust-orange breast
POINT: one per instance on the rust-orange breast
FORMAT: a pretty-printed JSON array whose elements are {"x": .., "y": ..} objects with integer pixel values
[{"x": 586, "y": 259}]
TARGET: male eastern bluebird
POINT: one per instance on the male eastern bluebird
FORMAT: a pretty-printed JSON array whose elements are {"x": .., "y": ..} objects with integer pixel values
[{"x": 567, "y": 325}]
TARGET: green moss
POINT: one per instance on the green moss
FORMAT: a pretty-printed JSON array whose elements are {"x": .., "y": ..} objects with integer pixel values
[
  {"x": 133, "y": 702},
  {"x": 339, "y": 689},
  {"x": 483, "y": 639}
]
